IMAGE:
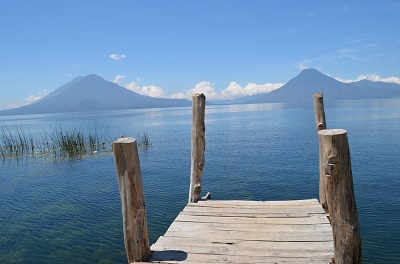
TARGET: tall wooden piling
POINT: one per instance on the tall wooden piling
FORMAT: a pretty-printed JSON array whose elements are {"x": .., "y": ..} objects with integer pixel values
[
  {"x": 320, "y": 124},
  {"x": 319, "y": 111},
  {"x": 132, "y": 199},
  {"x": 197, "y": 146},
  {"x": 336, "y": 164}
]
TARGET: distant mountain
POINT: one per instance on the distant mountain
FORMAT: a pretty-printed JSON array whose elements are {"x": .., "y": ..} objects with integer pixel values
[
  {"x": 302, "y": 87},
  {"x": 92, "y": 93}
]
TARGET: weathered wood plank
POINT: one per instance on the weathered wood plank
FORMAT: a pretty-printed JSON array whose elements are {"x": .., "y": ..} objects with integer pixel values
[
  {"x": 247, "y": 232},
  {"x": 254, "y": 232},
  {"x": 249, "y": 215},
  {"x": 182, "y": 257},
  {"x": 312, "y": 219},
  {"x": 230, "y": 236},
  {"x": 207, "y": 228},
  {"x": 250, "y": 228},
  {"x": 246, "y": 248},
  {"x": 265, "y": 210},
  {"x": 252, "y": 203},
  {"x": 255, "y": 206}
]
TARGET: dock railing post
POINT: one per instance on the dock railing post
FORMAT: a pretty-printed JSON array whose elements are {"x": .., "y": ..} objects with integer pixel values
[
  {"x": 320, "y": 123},
  {"x": 131, "y": 191},
  {"x": 319, "y": 111},
  {"x": 335, "y": 160},
  {"x": 197, "y": 146}
]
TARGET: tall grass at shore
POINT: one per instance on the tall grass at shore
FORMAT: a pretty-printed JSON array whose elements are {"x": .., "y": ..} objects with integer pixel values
[
  {"x": 16, "y": 142},
  {"x": 60, "y": 142}
]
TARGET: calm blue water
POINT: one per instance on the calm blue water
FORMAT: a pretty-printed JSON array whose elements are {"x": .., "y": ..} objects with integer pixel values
[{"x": 68, "y": 211}]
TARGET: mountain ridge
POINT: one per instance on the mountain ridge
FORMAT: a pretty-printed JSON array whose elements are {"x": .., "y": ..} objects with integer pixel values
[
  {"x": 92, "y": 93},
  {"x": 309, "y": 81}
]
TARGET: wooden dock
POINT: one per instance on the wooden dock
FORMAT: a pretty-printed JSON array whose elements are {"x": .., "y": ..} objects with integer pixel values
[
  {"x": 247, "y": 232},
  {"x": 207, "y": 231}
]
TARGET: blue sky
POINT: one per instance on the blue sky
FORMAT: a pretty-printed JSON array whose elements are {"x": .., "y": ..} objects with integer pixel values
[{"x": 172, "y": 48}]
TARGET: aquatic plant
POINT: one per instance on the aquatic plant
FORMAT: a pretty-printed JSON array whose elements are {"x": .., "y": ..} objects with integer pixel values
[
  {"x": 60, "y": 142},
  {"x": 144, "y": 140}
]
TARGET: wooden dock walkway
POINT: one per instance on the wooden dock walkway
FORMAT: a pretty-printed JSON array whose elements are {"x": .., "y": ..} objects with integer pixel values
[
  {"x": 247, "y": 232},
  {"x": 208, "y": 231}
]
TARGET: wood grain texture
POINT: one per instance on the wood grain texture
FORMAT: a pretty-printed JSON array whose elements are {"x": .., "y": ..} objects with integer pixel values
[
  {"x": 336, "y": 165},
  {"x": 197, "y": 146},
  {"x": 131, "y": 191},
  {"x": 320, "y": 123},
  {"x": 319, "y": 111},
  {"x": 247, "y": 232}
]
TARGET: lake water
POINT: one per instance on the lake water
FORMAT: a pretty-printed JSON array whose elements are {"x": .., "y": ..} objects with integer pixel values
[{"x": 68, "y": 211}]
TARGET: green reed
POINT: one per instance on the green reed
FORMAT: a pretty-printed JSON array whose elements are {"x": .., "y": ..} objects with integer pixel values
[
  {"x": 144, "y": 141},
  {"x": 60, "y": 142}
]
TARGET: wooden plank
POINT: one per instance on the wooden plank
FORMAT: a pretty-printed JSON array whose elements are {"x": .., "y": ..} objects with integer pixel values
[
  {"x": 228, "y": 237},
  {"x": 311, "y": 220},
  {"x": 235, "y": 203},
  {"x": 251, "y": 233},
  {"x": 246, "y": 248},
  {"x": 255, "y": 204},
  {"x": 247, "y": 232},
  {"x": 175, "y": 256},
  {"x": 249, "y": 215},
  {"x": 261, "y": 210},
  {"x": 250, "y": 228}
]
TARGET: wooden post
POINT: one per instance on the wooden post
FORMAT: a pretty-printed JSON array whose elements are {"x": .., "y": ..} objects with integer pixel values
[
  {"x": 198, "y": 146},
  {"x": 335, "y": 159},
  {"x": 319, "y": 111},
  {"x": 320, "y": 123},
  {"x": 132, "y": 199}
]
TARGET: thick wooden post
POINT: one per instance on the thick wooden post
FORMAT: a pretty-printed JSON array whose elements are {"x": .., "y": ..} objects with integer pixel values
[
  {"x": 335, "y": 159},
  {"x": 132, "y": 199},
  {"x": 198, "y": 146},
  {"x": 320, "y": 123}
]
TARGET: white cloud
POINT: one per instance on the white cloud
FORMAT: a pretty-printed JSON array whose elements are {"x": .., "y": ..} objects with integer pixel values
[
  {"x": 149, "y": 90},
  {"x": 133, "y": 87},
  {"x": 371, "y": 77},
  {"x": 153, "y": 91},
  {"x": 118, "y": 78},
  {"x": 117, "y": 57},
  {"x": 35, "y": 97},
  {"x": 204, "y": 87},
  {"x": 234, "y": 90},
  {"x": 27, "y": 100},
  {"x": 302, "y": 66}
]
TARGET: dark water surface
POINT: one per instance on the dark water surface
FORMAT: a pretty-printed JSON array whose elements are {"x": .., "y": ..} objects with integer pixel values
[{"x": 68, "y": 211}]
